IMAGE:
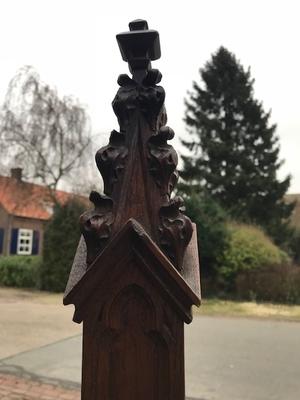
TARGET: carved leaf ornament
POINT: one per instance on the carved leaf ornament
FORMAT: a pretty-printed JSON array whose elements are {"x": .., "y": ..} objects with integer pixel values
[{"x": 139, "y": 104}]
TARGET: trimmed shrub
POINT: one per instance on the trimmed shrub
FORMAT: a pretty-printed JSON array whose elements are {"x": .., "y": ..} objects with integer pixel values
[
  {"x": 278, "y": 283},
  {"x": 61, "y": 238},
  {"x": 20, "y": 271},
  {"x": 249, "y": 249}
]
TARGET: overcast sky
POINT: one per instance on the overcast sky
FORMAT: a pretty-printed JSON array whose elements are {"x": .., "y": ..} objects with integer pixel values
[{"x": 72, "y": 44}]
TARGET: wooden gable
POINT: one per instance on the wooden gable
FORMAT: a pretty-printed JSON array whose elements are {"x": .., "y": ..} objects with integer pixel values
[{"x": 129, "y": 249}]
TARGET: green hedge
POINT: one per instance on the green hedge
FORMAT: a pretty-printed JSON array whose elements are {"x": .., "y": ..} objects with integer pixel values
[
  {"x": 249, "y": 249},
  {"x": 61, "y": 239},
  {"x": 294, "y": 245},
  {"x": 212, "y": 233},
  {"x": 278, "y": 284},
  {"x": 20, "y": 271}
]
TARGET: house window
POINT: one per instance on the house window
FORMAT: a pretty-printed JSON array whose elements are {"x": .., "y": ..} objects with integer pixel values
[{"x": 24, "y": 245}]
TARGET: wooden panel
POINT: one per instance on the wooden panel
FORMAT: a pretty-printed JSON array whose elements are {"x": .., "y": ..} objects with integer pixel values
[{"x": 135, "y": 338}]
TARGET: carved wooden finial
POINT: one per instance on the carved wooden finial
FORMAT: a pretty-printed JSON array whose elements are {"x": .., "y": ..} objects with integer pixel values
[
  {"x": 138, "y": 165},
  {"x": 135, "y": 276},
  {"x": 138, "y": 25},
  {"x": 138, "y": 47}
]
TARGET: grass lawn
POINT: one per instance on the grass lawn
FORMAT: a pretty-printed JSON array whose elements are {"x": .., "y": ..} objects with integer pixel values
[
  {"x": 226, "y": 308},
  {"x": 210, "y": 307}
]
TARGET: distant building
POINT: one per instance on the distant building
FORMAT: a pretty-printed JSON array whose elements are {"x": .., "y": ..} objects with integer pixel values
[
  {"x": 24, "y": 210},
  {"x": 295, "y": 217}
]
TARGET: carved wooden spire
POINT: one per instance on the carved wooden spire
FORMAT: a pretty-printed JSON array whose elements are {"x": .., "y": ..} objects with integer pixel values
[
  {"x": 141, "y": 278},
  {"x": 138, "y": 165}
]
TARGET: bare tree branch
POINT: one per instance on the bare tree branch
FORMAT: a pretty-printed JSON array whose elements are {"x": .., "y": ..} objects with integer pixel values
[{"x": 47, "y": 136}]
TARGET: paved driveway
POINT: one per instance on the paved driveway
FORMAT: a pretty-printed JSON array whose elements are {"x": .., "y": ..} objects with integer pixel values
[
  {"x": 32, "y": 319},
  {"x": 226, "y": 359}
]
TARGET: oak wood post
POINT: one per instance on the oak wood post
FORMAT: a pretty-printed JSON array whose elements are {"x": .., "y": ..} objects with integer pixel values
[{"x": 135, "y": 275}]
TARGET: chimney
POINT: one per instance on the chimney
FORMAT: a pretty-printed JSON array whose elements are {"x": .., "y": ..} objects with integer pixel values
[{"x": 16, "y": 173}]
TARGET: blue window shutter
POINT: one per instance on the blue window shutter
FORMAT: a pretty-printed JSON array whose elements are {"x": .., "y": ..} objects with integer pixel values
[
  {"x": 14, "y": 240},
  {"x": 35, "y": 242},
  {"x": 1, "y": 240}
]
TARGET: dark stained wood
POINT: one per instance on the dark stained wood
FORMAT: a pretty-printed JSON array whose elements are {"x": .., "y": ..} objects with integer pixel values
[
  {"x": 132, "y": 242},
  {"x": 191, "y": 268},
  {"x": 135, "y": 275},
  {"x": 133, "y": 341}
]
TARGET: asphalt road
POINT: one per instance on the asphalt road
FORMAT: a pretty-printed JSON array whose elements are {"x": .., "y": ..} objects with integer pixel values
[
  {"x": 226, "y": 359},
  {"x": 243, "y": 359}
]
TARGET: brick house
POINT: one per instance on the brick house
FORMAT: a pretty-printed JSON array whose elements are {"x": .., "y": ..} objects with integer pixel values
[{"x": 24, "y": 210}]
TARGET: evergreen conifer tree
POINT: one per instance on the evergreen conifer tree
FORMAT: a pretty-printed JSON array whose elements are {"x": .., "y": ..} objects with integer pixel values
[
  {"x": 61, "y": 239},
  {"x": 235, "y": 148}
]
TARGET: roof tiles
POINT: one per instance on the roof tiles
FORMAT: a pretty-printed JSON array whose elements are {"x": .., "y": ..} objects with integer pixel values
[{"x": 29, "y": 200}]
